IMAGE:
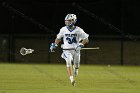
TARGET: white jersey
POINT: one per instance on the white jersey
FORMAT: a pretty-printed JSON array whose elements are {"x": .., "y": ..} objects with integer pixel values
[{"x": 71, "y": 38}]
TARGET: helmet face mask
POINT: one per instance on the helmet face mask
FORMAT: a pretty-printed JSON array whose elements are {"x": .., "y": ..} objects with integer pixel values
[
  {"x": 69, "y": 22},
  {"x": 70, "y": 19}
]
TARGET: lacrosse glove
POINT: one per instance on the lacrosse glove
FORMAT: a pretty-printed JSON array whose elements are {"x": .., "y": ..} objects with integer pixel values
[
  {"x": 79, "y": 47},
  {"x": 52, "y": 47}
]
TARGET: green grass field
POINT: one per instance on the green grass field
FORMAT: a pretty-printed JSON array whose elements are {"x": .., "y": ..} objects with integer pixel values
[{"x": 52, "y": 78}]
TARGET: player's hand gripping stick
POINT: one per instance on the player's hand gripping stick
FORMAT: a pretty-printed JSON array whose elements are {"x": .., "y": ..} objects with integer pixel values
[
  {"x": 52, "y": 47},
  {"x": 79, "y": 47}
]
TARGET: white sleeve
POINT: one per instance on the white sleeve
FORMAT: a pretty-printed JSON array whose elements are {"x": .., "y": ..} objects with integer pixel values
[{"x": 60, "y": 34}]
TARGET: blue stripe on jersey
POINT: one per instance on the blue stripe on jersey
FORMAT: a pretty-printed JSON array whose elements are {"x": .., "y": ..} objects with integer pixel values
[
  {"x": 70, "y": 29},
  {"x": 65, "y": 55}
]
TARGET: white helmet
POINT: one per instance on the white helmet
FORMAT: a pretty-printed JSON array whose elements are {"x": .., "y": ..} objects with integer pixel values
[{"x": 71, "y": 17}]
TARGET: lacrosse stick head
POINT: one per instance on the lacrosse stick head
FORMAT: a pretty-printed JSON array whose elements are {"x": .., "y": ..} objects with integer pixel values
[{"x": 24, "y": 51}]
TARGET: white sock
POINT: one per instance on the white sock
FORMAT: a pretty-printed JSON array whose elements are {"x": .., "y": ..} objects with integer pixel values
[
  {"x": 71, "y": 78},
  {"x": 76, "y": 71}
]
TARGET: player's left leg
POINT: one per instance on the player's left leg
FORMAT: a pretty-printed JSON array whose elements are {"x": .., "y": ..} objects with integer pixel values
[{"x": 76, "y": 63}]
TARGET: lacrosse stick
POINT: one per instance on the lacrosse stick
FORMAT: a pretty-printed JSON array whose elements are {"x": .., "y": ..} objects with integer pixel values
[{"x": 24, "y": 51}]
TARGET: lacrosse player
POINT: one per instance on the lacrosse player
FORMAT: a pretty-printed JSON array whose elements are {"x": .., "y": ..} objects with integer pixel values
[{"x": 71, "y": 36}]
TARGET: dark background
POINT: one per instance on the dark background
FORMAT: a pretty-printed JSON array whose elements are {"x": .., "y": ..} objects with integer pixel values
[
  {"x": 123, "y": 14},
  {"x": 113, "y": 25}
]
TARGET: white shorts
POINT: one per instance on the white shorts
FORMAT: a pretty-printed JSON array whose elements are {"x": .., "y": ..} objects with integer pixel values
[{"x": 71, "y": 56}]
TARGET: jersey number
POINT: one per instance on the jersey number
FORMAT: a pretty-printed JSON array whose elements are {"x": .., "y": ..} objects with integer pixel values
[{"x": 71, "y": 40}]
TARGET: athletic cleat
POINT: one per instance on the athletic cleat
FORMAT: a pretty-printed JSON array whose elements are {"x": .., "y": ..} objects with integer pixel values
[
  {"x": 73, "y": 82},
  {"x": 75, "y": 71}
]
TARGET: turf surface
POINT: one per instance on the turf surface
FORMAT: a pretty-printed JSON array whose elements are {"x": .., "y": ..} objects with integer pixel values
[{"x": 52, "y": 78}]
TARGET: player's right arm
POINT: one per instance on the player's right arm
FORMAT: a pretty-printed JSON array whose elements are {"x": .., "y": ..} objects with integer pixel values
[{"x": 57, "y": 41}]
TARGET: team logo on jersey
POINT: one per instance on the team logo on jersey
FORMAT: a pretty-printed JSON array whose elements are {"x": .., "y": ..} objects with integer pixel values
[
  {"x": 70, "y": 35},
  {"x": 71, "y": 38}
]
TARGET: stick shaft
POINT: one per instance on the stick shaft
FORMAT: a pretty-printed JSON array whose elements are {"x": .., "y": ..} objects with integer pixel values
[
  {"x": 90, "y": 48},
  {"x": 83, "y": 48}
]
